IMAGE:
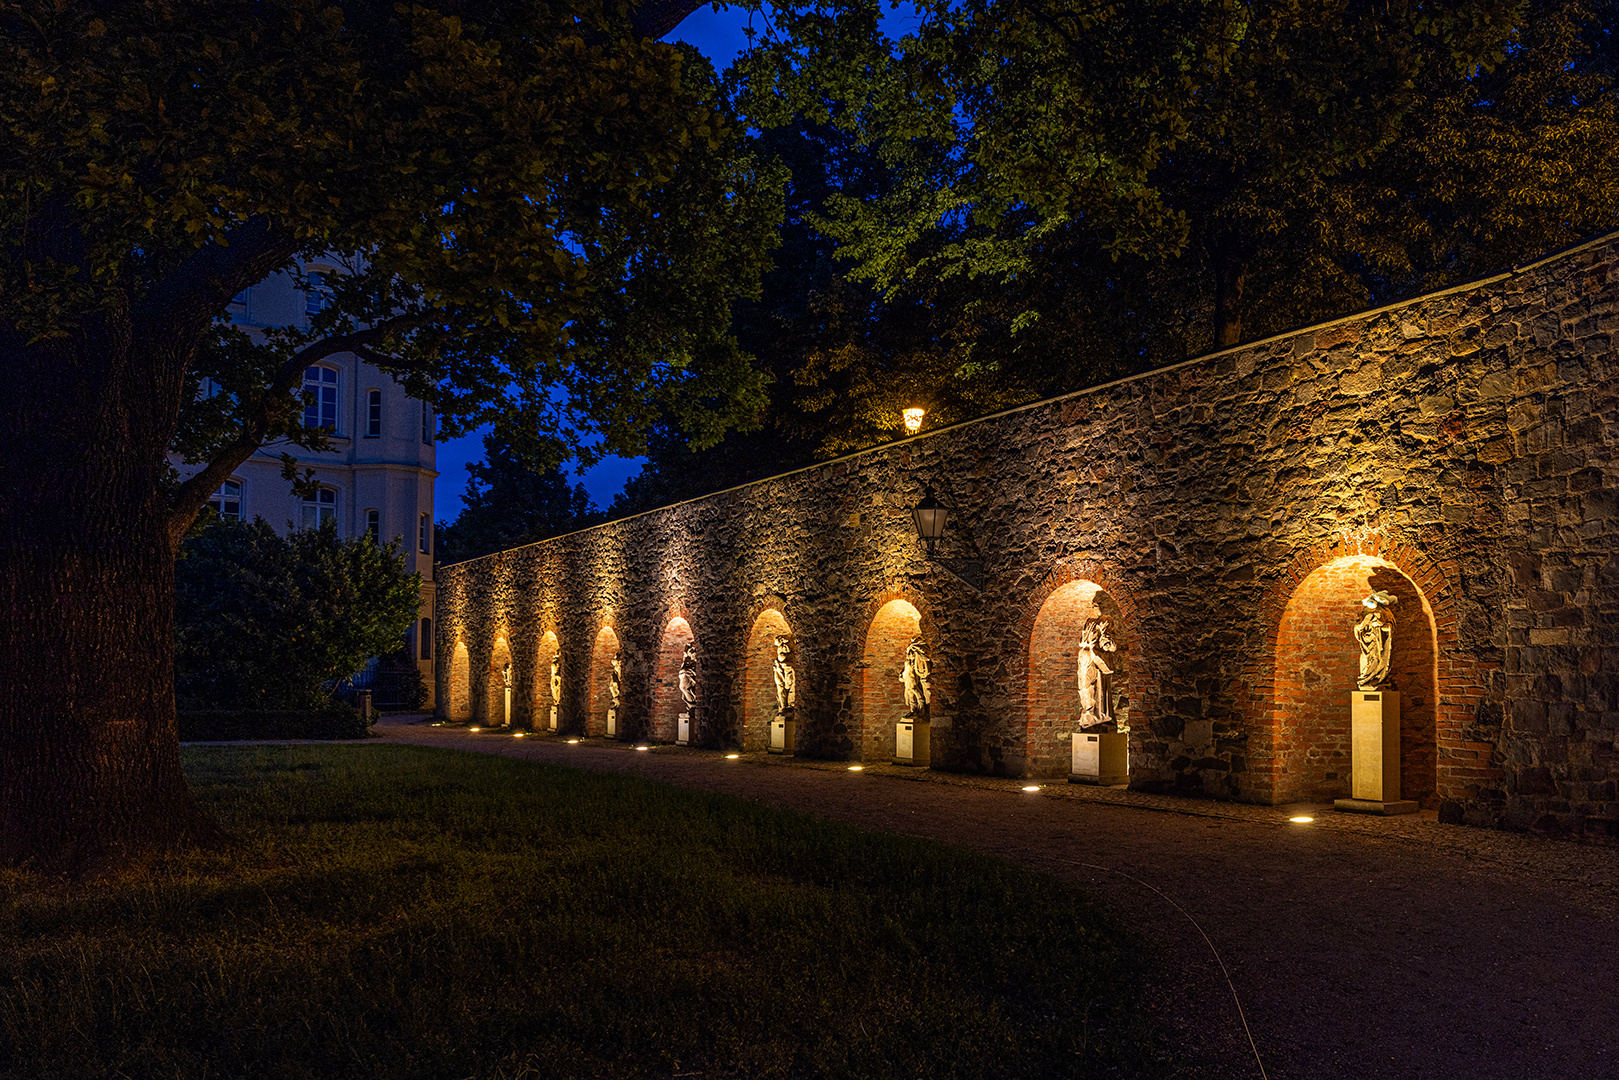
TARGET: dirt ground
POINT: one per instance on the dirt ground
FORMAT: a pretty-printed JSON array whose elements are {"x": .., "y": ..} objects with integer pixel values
[{"x": 1372, "y": 948}]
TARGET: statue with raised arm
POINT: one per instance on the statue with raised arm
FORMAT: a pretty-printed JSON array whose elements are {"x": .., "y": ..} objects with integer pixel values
[
  {"x": 688, "y": 678},
  {"x": 786, "y": 678},
  {"x": 1095, "y": 675},
  {"x": 1374, "y": 633},
  {"x": 556, "y": 678},
  {"x": 615, "y": 680},
  {"x": 914, "y": 678}
]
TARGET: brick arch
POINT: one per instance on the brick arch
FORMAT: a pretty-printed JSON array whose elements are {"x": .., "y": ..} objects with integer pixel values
[
  {"x": 459, "y": 705},
  {"x": 667, "y": 704},
  {"x": 1042, "y": 724},
  {"x": 500, "y": 654},
  {"x": 549, "y": 646},
  {"x": 597, "y": 699},
  {"x": 892, "y": 617},
  {"x": 758, "y": 681},
  {"x": 1457, "y": 681}
]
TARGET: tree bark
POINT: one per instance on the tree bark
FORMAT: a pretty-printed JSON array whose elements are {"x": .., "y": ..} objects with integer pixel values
[
  {"x": 1230, "y": 276},
  {"x": 89, "y": 753}
]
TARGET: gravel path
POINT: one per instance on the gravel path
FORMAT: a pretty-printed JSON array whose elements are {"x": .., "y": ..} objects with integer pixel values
[{"x": 1379, "y": 949}]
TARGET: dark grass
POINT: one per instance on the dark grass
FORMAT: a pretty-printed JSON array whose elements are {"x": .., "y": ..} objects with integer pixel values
[{"x": 409, "y": 912}]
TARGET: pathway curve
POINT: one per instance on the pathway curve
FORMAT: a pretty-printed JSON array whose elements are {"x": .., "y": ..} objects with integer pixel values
[{"x": 1379, "y": 949}]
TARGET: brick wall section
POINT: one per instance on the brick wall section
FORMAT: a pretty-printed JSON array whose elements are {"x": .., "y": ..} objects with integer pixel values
[
  {"x": 541, "y": 681},
  {"x": 667, "y": 704},
  {"x": 597, "y": 696},
  {"x": 1465, "y": 438},
  {"x": 759, "y": 684},
  {"x": 882, "y": 696}
]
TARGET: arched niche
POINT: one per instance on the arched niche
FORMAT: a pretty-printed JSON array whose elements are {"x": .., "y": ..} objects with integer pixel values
[
  {"x": 667, "y": 703},
  {"x": 550, "y": 649},
  {"x": 882, "y": 695},
  {"x": 1075, "y": 611},
  {"x": 495, "y": 700},
  {"x": 601, "y": 674},
  {"x": 1317, "y": 664},
  {"x": 460, "y": 704},
  {"x": 759, "y": 678}
]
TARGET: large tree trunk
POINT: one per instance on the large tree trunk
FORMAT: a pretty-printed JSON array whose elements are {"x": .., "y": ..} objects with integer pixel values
[
  {"x": 89, "y": 754},
  {"x": 1230, "y": 278}
]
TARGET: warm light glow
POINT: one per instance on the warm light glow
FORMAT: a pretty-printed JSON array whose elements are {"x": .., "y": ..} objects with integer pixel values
[
  {"x": 856, "y": 768},
  {"x": 474, "y": 729},
  {"x": 643, "y": 747},
  {"x": 732, "y": 757},
  {"x": 573, "y": 742},
  {"x": 1032, "y": 787},
  {"x": 1301, "y": 820},
  {"x": 913, "y": 420},
  {"x": 517, "y": 734}
]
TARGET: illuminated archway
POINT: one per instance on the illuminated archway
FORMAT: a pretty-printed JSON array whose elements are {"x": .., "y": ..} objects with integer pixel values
[
  {"x": 549, "y": 649},
  {"x": 1054, "y": 696},
  {"x": 1317, "y": 663},
  {"x": 495, "y": 697},
  {"x": 759, "y": 679},
  {"x": 601, "y": 673},
  {"x": 667, "y": 704},
  {"x": 460, "y": 710},
  {"x": 882, "y": 696}
]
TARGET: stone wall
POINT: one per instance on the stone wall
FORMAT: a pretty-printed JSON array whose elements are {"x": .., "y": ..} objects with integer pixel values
[{"x": 1221, "y": 515}]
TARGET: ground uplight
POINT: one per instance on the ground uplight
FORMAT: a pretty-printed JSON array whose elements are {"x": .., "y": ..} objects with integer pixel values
[
  {"x": 856, "y": 768},
  {"x": 643, "y": 747},
  {"x": 1301, "y": 820},
  {"x": 474, "y": 729},
  {"x": 732, "y": 757},
  {"x": 1032, "y": 787},
  {"x": 573, "y": 742}
]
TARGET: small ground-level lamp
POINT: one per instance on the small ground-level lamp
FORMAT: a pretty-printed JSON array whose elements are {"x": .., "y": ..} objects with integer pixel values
[
  {"x": 929, "y": 517},
  {"x": 913, "y": 420}
]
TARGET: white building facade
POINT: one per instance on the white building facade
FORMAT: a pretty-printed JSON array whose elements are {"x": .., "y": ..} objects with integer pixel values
[{"x": 377, "y": 479}]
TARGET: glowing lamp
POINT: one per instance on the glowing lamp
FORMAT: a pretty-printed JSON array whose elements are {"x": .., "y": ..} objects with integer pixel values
[
  {"x": 517, "y": 734},
  {"x": 643, "y": 747},
  {"x": 474, "y": 729},
  {"x": 732, "y": 757},
  {"x": 1032, "y": 787},
  {"x": 913, "y": 421},
  {"x": 1301, "y": 820},
  {"x": 856, "y": 768},
  {"x": 929, "y": 517},
  {"x": 573, "y": 742}
]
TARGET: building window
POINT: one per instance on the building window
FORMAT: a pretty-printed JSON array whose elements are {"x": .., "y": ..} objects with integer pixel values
[
  {"x": 316, "y": 297},
  {"x": 320, "y": 509},
  {"x": 424, "y": 534},
  {"x": 427, "y": 424},
  {"x": 320, "y": 398},
  {"x": 373, "y": 414},
  {"x": 426, "y": 639},
  {"x": 227, "y": 501},
  {"x": 373, "y": 525}
]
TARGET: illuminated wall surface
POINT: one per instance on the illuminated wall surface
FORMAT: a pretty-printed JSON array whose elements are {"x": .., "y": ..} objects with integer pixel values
[{"x": 1225, "y": 516}]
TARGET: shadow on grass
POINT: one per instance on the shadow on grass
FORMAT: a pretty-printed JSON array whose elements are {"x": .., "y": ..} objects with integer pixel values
[{"x": 409, "y": 912}]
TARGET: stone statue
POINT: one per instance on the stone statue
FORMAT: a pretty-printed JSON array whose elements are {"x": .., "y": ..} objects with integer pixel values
[
  {"x": 786, "y": 678},
  {"x": 615, "y": 680},
  {"x": 918, "y": 667},
  {"x": 506, "y": 675},
  {"x": 556, "y": 678},
  {"x": 688, "y": 678},
  {"x": 1095, "y": 675},
  {"x": 1375, "y": 635}
]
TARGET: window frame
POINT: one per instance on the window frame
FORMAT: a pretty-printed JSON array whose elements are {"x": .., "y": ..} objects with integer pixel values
[
  {"x": 325, "y": 509},
  {"x": 217, "y": 501},
  {"x": 424, "y": 638},
  {"x": 373, "y": 413},
  {"x": 424, "y": 534},
  {"x": 319, "y": 385}
]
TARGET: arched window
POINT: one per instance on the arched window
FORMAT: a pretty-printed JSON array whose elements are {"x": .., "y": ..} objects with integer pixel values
[
  {"x": 320, "y": 397},
  {"x": 373, "y": 525},
  {"x": 320, "y": 509},
  {"x": 317, "y": 296},
  {"x": 373, "y": 414},
  {"x": 227, "y": 501}
]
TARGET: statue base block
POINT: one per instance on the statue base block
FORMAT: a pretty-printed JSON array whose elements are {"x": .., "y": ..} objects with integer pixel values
[
  {"x": 1102, "y": 758},
  {"x": 1373, "y": 806},
  {"x": 783, "y": 736},
  {"x": 1374, "y": 745},
  {"x": 553, "y": 718},
  {"x": 683, "y": 730},
  {"x": 913, "y": 743},
  {"x": 612, "y": 722}
]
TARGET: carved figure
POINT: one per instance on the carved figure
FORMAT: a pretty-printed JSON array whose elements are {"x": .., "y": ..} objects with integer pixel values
[
  {"x": 786, "y": 678},
  {"x": 506, "y": 675},
  {"x": 914, "y": 678},
  {"x": 556, "y": 678},
  {"x": 1095, "y": 675},
  {"x": 688, "y": 677},
  {"x": 614, "y": 680},
  {"x": 1374, "y": 632}
]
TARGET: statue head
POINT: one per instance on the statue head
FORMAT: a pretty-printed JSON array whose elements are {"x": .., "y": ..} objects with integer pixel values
[
  {"x": 917, "y": 647},
  {"x": 689, "y": 659},
  {"x": 784, "y": 645},
  {"x": 617, "y": 662},
  {"x": 1380, "y": 602}
]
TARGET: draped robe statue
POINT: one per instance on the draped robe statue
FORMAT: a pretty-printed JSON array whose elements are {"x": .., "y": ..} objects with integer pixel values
[
  {"x": 1374, "y": 633},
  {"x": 786, "y": 678},
  {"x": 1095, "y": 676},
  {"x": 688, "y": 678},
  {"x": 914, "y": 678}
]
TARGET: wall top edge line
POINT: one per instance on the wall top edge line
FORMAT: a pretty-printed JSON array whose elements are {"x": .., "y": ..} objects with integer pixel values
[{"x": 1314, "y": 328}]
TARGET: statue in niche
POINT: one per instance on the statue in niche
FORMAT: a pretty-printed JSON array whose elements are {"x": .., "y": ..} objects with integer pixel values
[
  {"x": 1095, "y": 675},
  {"x": 1375, "y": 635},
  {"x": 688, "y": 678},
  {"x": 914, "y": 678},
  {"x": 615, "y": 681},
  {"x": 506, "y": 676},
  {"x": 556, "y": 678},
  {"x": 786, "y": 678}
]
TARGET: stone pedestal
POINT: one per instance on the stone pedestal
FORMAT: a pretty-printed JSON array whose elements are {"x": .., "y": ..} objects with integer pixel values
[
  {"x": 1101, "y": 758},
  {"x": 912, "y": 743},
  {"x": 506, "y": 718},
  {"x": 612, "y": 722},
  {"x": 1374, "y": 755},
  {"x": 782, "y": 735},
  {"x": 553, "y": 718},
  {"x": 683, "y": 730}
]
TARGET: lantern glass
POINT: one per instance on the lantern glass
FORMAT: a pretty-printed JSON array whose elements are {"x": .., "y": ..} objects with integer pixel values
[
  {"x": 913, "y": 420},
  {"x": 929, "y": 517}
]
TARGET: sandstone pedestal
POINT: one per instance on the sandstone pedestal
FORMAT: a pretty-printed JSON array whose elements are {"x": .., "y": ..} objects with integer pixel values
[
  {"x": 912, "y": 743},
  {"x": 683, "y": 730},
  {"x": 1102, "y": 758},
  {"x": 612, "y": 722},
  {"x": 782, "y": 735},
  {"x": 1374, "y": 755},
  {"x": 506, "y": 718},
  {"x": 553, "y": 718}
]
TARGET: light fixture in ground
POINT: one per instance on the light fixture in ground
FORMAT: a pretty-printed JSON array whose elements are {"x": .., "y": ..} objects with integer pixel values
[
  {"x": 573, "y": 742},
  {"x": 856, "y": 768},
  {"x": 474, "y": 729},
  {"x": 913, "y": 420},
  {"x": 1032, "y": 787},
  {"x": 643, "y": 747},
  {"x": 732, "y": 757},
  {"x": 518, "y": 734},
  {"x": 1301, "y": 819}
]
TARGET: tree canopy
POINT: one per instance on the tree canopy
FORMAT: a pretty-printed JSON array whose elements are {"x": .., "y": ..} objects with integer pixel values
[{"x": 508, "y": 504}]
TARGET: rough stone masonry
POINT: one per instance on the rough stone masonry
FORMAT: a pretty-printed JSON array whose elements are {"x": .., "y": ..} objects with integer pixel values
[{"x": 1224, "y": 516}]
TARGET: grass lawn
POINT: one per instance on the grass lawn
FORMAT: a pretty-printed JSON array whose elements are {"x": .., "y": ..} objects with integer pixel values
[{"x": 408, "y": 912}]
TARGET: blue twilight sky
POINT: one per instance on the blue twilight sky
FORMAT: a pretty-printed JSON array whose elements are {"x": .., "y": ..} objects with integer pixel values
[{"x": 719, "y": 34}]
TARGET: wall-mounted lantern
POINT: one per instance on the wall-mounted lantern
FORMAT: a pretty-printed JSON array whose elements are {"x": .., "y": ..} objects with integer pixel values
[
  {"x": 929, "y": 517},
  {"x": 913, "y": 420}
]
